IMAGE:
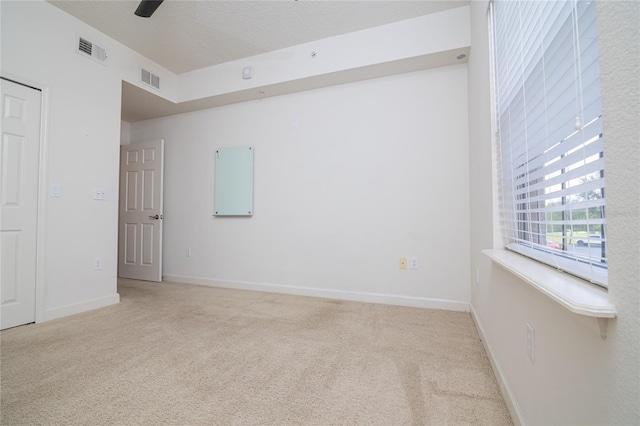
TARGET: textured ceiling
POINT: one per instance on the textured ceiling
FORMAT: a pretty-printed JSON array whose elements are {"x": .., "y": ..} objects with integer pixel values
[{"x": 187, "y": 35}]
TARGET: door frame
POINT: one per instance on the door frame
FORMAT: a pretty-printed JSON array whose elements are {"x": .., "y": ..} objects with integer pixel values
[{"x": 41, "y": 218}]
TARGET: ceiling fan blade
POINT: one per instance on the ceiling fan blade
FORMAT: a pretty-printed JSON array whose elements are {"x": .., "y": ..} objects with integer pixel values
[{"x": 147, "y": 7}]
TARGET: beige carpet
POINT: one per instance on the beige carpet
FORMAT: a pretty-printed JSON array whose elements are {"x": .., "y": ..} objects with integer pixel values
[{"x": 172, "y": 354}]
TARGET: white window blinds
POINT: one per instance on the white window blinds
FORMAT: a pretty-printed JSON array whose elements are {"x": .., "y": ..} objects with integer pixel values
[{"x": 549, "y": 122}]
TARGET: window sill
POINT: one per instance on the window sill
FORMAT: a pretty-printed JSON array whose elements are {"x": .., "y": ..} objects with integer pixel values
[{"x": 575, "y": 294}]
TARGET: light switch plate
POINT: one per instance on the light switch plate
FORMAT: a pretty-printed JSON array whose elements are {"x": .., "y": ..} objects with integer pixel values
[{"x": 55, "y": 190}]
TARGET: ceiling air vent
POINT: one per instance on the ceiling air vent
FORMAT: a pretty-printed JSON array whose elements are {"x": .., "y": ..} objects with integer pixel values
[
  {"x": 95, "y": 52},
  {"x": 150, "y": 79}
]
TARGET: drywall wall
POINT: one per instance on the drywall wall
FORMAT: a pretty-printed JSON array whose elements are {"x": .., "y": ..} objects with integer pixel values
[
  {"x": 577, "y": 377},
  {"x": 82, "y": 123},
  {"x": 423, "y": 36},
  {"x": 125, "y": 132},
  {"x": 82, "y": 120},
  {"x": 348, "y": 179},
  {"x": 80, "y": 150},
  {"x": 619, "y": 24}
]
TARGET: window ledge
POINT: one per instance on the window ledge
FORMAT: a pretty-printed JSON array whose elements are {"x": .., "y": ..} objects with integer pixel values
[{"x": 575, "y": 294}]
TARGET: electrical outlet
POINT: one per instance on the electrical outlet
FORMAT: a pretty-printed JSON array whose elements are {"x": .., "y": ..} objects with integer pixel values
[
  {"x": 531, "y": 342},
  {"x": 414, "y": 263},
  {"x": 187, "y": 252},
  {"x": 100, "y": 194},
  {"x": 403, "y": 263},
  {"x": 97, "y": 263}
]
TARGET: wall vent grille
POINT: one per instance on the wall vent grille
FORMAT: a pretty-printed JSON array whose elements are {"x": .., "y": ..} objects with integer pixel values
[
  {"x": 92, "y": 50},
  {"x": 150, "y": 79},
  {"x": 85, "y": 46}
]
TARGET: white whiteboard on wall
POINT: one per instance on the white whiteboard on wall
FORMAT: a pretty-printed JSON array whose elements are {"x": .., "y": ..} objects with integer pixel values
[{"x": 233, "y": 185}]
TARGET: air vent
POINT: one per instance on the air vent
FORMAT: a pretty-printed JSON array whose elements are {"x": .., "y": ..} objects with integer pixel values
[
  {"x": 95, "y": 52},
  {"x": 150, "y": 79},
  {"x": 145, "y": 76},
  {"x": 85, "y": 46}
]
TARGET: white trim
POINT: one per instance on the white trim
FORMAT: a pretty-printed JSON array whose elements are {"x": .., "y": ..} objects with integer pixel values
[
  {"x": 41, "y": 252},
  {"x": 357, "y": 296},
  {"x": 507, "y": 394},
  {"x": 575, "y": 294},
  {"x": 563, "y": 261},
  {"x": 77, "y": 308},
  {"x": 41, "y": 219}
]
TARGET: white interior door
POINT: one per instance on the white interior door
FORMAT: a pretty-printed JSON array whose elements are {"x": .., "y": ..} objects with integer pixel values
[
  {"x": 140, "y": 237},
  {"x": 19, "y": 200}
]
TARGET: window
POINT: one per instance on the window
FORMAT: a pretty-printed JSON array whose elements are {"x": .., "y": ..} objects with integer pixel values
[{"x": 549, "y": 127}]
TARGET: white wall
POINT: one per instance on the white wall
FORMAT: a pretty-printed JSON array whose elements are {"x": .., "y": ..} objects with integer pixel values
[
  {"x": 125, "y": 132},
  {"x": 360, "y": 181},
  {"x": 347, "y": 180},
  {"x": 81, "y": 135},
  {"x": 577, "y": 377},
  {"x": 81, "y": 153},
  {"x": 390, "y": 44},
  {"x": 82, "y": 132}
]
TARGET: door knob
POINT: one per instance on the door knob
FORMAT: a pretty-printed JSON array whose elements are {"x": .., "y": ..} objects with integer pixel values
[{"x": 156, "y": 217}]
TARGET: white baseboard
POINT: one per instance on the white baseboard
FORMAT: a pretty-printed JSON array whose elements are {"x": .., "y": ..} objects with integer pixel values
[
  {"x": 76, "y": 308},
  {"x": 356, "y": 296},
  {"x": 507, "y": 394}
]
